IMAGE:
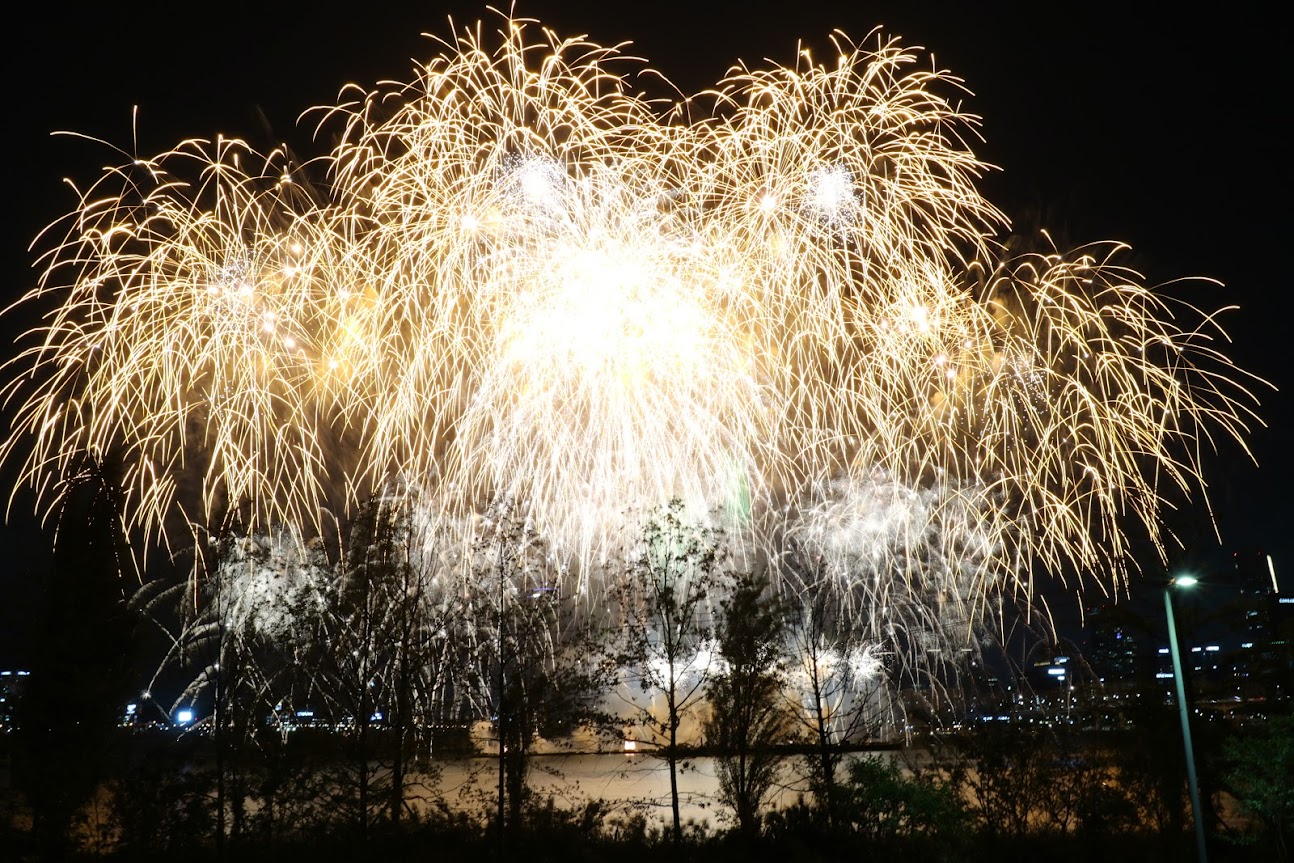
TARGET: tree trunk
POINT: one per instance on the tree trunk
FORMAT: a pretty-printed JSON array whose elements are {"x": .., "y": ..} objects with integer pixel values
[
  {"x": 671, "y": 756},
  {"x": 826, "y": 761}
]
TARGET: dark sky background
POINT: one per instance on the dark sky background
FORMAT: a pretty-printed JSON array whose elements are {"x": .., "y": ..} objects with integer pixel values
[{"x": 1156, "y": 129}]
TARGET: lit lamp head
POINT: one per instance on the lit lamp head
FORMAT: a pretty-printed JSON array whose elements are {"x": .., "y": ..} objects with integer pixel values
[{"x": 1184, "y": 581}]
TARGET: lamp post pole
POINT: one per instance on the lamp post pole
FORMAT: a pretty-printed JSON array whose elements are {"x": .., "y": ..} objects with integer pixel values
[{"x": 1197, "y": 811}]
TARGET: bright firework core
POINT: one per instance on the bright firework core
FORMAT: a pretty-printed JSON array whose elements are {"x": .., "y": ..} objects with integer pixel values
[
  {"x": 600, "y": 314},
  {"x": 830, "y": 192},
  {"x": 517, "y": 280},
  {"x": 608, "y": 352}
]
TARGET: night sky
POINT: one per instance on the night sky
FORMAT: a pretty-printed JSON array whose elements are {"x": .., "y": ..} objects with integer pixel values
[{"x": 1160, "y": 131}]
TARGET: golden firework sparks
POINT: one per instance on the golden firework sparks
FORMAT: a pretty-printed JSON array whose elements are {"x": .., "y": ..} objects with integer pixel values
[{"x": 527, "y": 281}]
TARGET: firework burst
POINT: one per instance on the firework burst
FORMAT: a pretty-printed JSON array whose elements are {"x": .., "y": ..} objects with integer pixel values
[{"x": 521, "y": 280}]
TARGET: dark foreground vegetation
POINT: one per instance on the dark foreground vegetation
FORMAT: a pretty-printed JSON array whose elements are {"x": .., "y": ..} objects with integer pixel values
[
  {"x": 1000, "y": 795},
  {"x": 401, "y": 678}
]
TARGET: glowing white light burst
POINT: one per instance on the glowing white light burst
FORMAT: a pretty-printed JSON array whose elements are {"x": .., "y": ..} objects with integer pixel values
[
  {"x": 523, "y": 281},
  {"x": 613, "y": 372},
  {"x": 268, "y": 584},
  {"x": 830, "y": 193}
]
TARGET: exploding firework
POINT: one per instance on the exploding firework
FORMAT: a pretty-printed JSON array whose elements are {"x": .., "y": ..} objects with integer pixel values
[
  {"x": 522, "y": 281},
  {"x": 185, "y": 337}
]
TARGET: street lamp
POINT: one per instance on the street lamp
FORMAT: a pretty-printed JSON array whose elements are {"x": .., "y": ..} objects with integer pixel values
[{"x": 1185, "y": 581}]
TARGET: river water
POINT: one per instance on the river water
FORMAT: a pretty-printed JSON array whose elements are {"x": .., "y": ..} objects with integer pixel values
[{"x": 627, "y": 783}]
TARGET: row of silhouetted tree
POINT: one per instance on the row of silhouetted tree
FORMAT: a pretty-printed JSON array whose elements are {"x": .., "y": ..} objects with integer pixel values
[{"x": 405, "y": 639}]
